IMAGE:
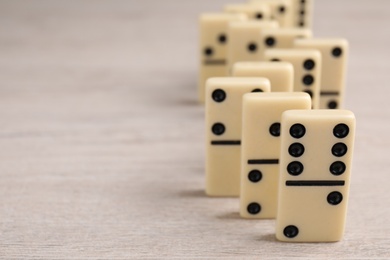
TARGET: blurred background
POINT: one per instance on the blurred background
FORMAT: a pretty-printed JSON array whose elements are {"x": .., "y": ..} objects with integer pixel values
[{"x": 106, "y": 43}]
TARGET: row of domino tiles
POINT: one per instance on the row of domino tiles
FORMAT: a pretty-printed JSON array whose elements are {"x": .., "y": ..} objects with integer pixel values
[
  {"x": 287, "y": 153},
  {"x": 239, "y": 45}
]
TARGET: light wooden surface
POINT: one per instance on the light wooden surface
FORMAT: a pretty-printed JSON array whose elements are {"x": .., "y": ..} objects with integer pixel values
[{"x": 102, "y": 141}]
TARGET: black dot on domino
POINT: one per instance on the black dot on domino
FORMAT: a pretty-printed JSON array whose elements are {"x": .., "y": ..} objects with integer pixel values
[
  {"x": 337, "y": 52},
  {"x": 291, "y": 231},
  {"x": 308, "y": 80},
  {"x": 252, "y": 47},
  {"x": 339, "y": 149},
  {"x": 341, "y": 130},
  {"x": 337, "y": 168},
  {"x": 297, "y": 130},
  {"x": 296, "y": 150},
  {"x": 270, "y": 41},
  {"x": 208, "y": 51},
  {"x": 309, "y": 64},
  {"x": 218, "y": 95},
  {"x": 334, "y": 198},
  {"x": 218, "y": 129},
  {"x": 254, "y": 208},
  {"x": 282, "y": 9},
  {"x": 259, "y": 16},
  {"x": 274, "y": 129},
  {"x": 255, "y": 176},
  {"x": 222, "y": 38},
  {"x": 295, "y": 168},
  {"x": 332, "y": 104}
]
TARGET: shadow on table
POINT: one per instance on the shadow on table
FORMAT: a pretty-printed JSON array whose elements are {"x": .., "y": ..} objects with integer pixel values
[
  {"x": 187, "y": 102},
  {"x": 266, "y": 237},
  {"x": 192, "y": 194},
  {"x": 230, "y": 215}
]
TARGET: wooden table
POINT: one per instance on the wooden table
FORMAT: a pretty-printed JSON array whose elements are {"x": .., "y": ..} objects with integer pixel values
[{"x": 102, "y": 140}]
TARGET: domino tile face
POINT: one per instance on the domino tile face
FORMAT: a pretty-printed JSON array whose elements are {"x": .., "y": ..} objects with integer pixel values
[
  {"x": 315, "y": 169},
  {"x": 223, "y": 131},
  {"x": 281, "y": 11},
  {"x": 334, "y": 54},
  {"x": 261, "y": 148},
  {"x": 212, "y": 47},
  {"x": 245, "y": 42},
  {"x": 307, "y": 70}
]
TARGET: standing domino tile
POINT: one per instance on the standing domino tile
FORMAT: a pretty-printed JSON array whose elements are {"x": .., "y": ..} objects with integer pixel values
[
  {"x": 244, "y": 44},
  {"x": 280, "y": 74},
  {"x": 315, "y": 168},
  {"x": 213, "y": 41},
  {"x": 307, "y": 69},
  {"x": 281, "y": 10},
  {"x": 334, "y": 62},
  {"x": 223, "y": 131},
  {"x": 302, "y": 13},
  {"x": 259, "y": 12},
  {"x": 261, "y": 148}
]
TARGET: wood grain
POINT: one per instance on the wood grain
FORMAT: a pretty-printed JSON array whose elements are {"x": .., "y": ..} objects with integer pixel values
[{"x": 102, "y": 141}]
